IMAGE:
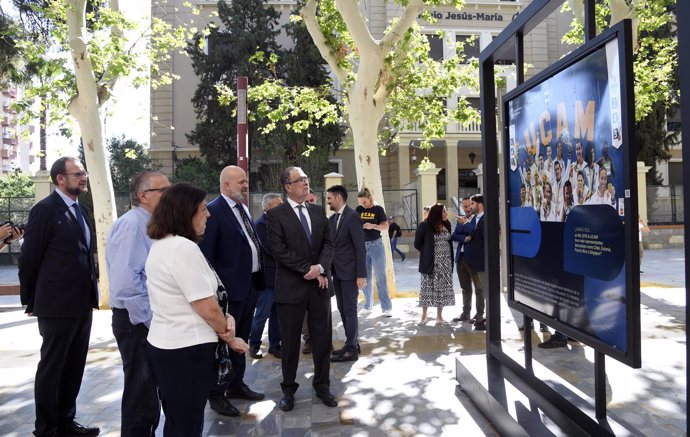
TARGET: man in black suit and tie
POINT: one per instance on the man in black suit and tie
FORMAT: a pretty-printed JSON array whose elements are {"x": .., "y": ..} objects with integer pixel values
[
  {"x": 302, "y": 247},
  {"x": 231, "y": 246},
  {"x": 474, "y": 256},
  {"x": 349, "y": 267},
  {"x": 59, "y": 285}
]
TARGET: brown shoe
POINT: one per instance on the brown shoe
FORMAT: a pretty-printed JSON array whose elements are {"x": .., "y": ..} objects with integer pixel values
[{"x": 306, "y": 348}]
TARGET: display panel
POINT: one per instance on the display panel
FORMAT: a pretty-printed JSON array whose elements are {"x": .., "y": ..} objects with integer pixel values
[{"x": 568, "y": 184}]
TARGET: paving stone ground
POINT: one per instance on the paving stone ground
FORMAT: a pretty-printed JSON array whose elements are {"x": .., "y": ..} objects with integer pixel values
[{"x": 404, "y": 382}]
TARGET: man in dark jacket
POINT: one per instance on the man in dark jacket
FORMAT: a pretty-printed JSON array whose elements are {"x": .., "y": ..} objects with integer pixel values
[
  {"x": 463, "y": 229},
  {"x": 301, "y": 244},
  {"x": 265, "y": 306},
  {"x": 474, "y": 257},
  {"x": 349, "y": 267},
  {"x": 59, "y": 285}
]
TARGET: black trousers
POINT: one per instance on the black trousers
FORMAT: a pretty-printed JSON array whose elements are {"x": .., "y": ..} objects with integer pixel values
[
  {"x": 141, "y": 407},
  {"x": 346, "y": 294},
  {"x": 184, "y": 378},
  {"x": 60, "y": 370},
  {"x": 317, "y": 306}
]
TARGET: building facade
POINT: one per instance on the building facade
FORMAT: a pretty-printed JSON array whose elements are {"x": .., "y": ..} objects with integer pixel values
[
  {"x": 18, "y": 151},
  {"x": 457, "y": 155}
]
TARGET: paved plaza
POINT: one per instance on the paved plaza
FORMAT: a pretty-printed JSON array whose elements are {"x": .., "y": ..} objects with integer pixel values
[{"x": 403, "y": 383}]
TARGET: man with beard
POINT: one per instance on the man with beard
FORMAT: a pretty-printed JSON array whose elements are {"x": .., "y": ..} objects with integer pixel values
[
  {"x": 349, "y": 267},
  {"x": 59, "y": 285},
  {"x": 232, "y": 247}
]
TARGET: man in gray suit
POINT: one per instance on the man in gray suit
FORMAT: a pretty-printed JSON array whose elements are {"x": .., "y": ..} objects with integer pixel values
[
  {"x": 349, "y": 267},
  {"x": 300, "y": 241}
]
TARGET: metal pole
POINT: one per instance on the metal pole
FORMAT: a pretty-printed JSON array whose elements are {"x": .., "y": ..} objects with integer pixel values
[
  {"x": 242, "y": 148},
  {"x": 683, "y": 16},
  {"x": 590, "y": 20},
  {"x": 600, "y": 384}
]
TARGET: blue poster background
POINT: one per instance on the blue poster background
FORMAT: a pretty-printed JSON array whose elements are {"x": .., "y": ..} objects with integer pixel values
[{"x": 566, "y": 215}]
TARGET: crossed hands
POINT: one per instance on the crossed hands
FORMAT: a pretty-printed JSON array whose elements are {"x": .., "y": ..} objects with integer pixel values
[{"x": 315, "y": 273}]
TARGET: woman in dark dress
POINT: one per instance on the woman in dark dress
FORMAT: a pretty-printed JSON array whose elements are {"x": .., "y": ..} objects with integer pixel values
[{"x": 432, "y": 240}]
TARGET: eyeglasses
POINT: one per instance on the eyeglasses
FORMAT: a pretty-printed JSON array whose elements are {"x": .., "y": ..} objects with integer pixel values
[
  {"x": 78, "y": 174},
  {"x": 160, "y": 190},
  {"x": 302, "y": 179}
]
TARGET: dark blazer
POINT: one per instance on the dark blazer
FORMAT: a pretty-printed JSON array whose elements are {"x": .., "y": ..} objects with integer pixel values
[
  {"x": 474, "y": 249},
  {"x": 227, "y": 249},
  {"x": 293, "y": 253},
  {"x": 459, "y": 234},
  {"x": 424, "y": 243},
  {"x": 349, "y": 250},
  {"x": 57, "y": 270},
  {"x": 269, "y": 262}
]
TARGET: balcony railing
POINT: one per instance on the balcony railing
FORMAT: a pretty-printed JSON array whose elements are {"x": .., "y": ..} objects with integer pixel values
[{"x": 454, "y": 128}]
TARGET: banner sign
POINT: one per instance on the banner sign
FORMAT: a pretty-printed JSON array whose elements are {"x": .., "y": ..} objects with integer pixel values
[{"x": 566, "y": 185}]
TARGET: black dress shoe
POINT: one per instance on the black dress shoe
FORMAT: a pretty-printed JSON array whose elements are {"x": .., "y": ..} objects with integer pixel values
[
  {"x": 276, "y": 351},
  {"x": 327, "y": 398},
  {"x": 76, "y": 429},
  {"x": 288, "y": 402},
  {"x": 255, "y": 352},
  {"x": 346, "y": 355},
  {"x": 243, "y": 391},
  {"x": 221, "y": 405},
  {"x": 462, "y": 318}
]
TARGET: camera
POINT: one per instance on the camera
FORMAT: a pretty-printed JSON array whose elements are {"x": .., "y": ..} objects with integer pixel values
[{"x": 12, "y": 225}]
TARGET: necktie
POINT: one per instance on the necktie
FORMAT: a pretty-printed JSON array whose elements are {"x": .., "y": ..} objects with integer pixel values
[
  {"x": 337, "y": 221},
  {"x": 250, "y": 230},
  {"x": 80, "y": 219},
  {"x": 303, "y": 219}
]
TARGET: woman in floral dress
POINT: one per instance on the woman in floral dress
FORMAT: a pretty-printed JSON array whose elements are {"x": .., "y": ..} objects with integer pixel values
[{"x": 432, "y": 240}]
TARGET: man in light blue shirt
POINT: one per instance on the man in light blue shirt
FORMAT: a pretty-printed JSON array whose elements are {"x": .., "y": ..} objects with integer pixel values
[{"x": 126, "y": 251}]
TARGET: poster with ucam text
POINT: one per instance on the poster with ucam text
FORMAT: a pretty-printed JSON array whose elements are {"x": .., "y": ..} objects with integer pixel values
[{"x": 565, "y": 190}]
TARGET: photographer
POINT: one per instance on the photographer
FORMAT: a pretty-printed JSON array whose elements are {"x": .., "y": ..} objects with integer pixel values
[{"x": 9, "y": 234}]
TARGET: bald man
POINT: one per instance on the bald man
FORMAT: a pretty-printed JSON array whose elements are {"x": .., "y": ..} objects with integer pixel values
[{"x": 231, "y": 246}]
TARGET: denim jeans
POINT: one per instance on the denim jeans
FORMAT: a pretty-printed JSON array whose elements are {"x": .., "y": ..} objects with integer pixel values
[
  {"x": 376, "y": 261},
  {"x": 265, "y": 310},
  {"x": 140, "y": 404},
  {"x": 394, "y": 247}
]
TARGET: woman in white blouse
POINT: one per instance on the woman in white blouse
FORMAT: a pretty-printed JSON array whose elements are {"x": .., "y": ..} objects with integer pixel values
[{"x": 187, "y": 319}]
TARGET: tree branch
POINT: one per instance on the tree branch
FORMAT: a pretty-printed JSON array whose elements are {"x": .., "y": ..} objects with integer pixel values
[
  {"x": 396, "y": 32},
  {"x": 355, "y": 23},
  {"x": 308, "y": 14}
]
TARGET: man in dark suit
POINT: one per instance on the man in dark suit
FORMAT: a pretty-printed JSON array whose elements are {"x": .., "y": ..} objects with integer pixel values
[
  {"x": 59, "y": 285},
  {"x": 464, "y": 228},
  {"x": 474, "y": 257},
  {"x": 349, "y": 267},
  {"x": 231, "y": 246},
  {"x": 301, "y": 245}
]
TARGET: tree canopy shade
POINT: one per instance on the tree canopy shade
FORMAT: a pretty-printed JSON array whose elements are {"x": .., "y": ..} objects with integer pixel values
[
  {"x": 392, "y": 77},
  {"x": 90, "y": 46},
  {"x": 655, "y": 67},
  {"x": 127, "y": 158},
  {"x": 220, "y": 55}
]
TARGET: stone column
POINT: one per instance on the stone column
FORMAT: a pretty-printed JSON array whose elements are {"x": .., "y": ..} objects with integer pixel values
[
  {"x": 451, "y": 174},
  {"x": 403, "y": 165},
  {"x": 480, "y": 178},
  {"x": 642, "y": 170},
  {"x": 426, "y": 182},
  {"x": 43, "y": 185}
]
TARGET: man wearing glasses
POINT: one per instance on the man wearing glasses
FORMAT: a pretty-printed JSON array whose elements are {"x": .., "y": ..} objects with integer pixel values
[
  {"x": 300, "y": 241},
  {"x": 126, "y": 251},
  {"x": 59, "y": 285}
]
